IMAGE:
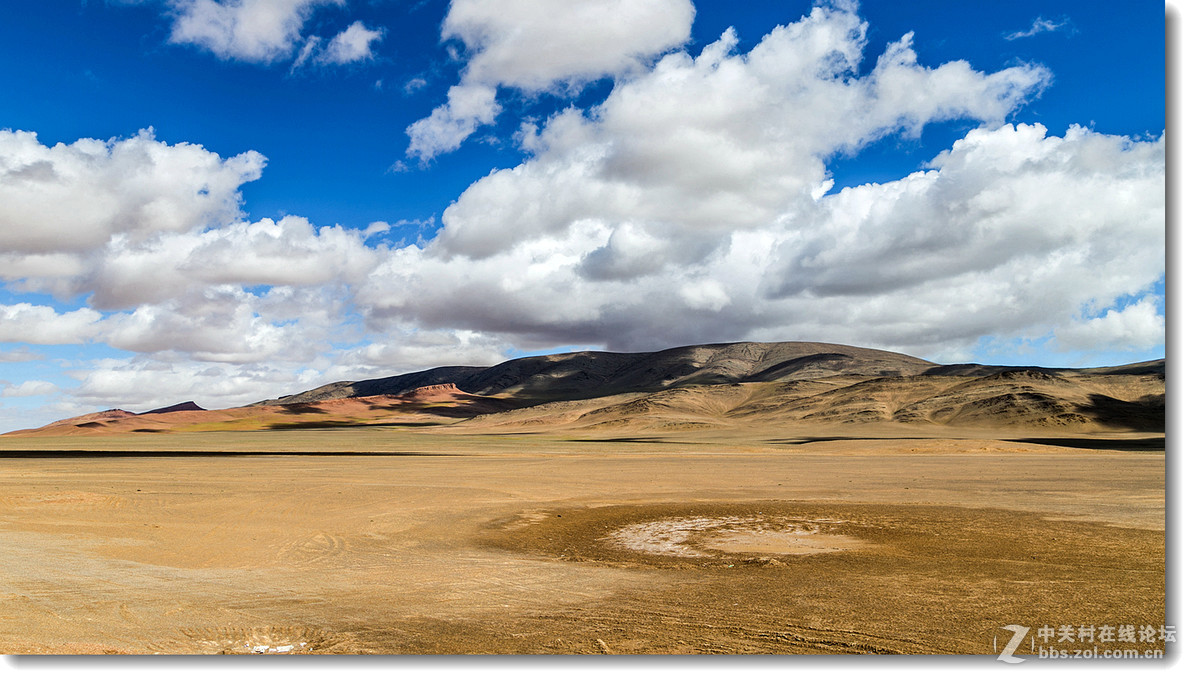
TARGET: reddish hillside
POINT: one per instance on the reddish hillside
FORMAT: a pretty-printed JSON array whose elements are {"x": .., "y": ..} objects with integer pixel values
[
  {"x": 714, "y": 386},
  {"x": 432, "y": 405}
]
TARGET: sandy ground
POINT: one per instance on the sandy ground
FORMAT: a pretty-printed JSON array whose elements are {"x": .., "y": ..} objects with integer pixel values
[{"x": 386, "y": 541}]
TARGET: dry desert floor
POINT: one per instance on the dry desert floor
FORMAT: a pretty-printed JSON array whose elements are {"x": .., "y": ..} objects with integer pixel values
[{"x": 386, "y": 540}]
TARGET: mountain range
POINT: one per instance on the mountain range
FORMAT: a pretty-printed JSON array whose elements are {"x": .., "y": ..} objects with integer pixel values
[{"x": 709, "y": 386}]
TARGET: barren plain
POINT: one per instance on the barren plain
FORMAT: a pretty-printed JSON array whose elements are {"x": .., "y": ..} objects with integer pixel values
[
  {"x": 738, "y": 498},
  {"x": 382, "y": 541}
]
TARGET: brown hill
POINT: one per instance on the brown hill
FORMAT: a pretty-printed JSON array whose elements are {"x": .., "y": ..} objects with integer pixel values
[
  {"x": 742, "y": 385},
  {"x": 1114, "y": 399},
  {"x": 436, "y": 393},
  {"x": 426, "y": 406},
  {"x": 100, "y": 417},
  {"x": 594, "y": 374}
]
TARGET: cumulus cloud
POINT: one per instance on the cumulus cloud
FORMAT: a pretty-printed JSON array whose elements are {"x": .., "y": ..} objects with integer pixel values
[
  {"x": 154, "y": 380},
  {"x": 536, "y": 45},
  {"x": 699, "y": 147},
  {"x": 1137, "y": 326},
  {"x": 250, "y": 30},
  {"x": 268, "y": 31},
  {"x": 542, "y": 45},
  {"x": 149, "y": 381},
  {"x": 136, "y": 221},
  {"x": 467, "y": 107},
  {"x": 149, "y": 234},
  {"x": 70, "y": 198},
  {"x": 287, "y": 252},
  {"x": 694, "y": 204},
  {"x": 1008, "y": 235},
  {"x": 218, "y": 325},
  {"x": 42, "y": 324},
  {"x": 1011, "y": 197},
  {"x": 145, "y": 382},
  {"x": 31, "y": 387},
  {"x": 351, "y": 45},
  {"x": 414, "y": 348}
]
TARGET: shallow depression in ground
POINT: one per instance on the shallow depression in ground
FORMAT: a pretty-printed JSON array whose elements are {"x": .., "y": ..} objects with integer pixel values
[{"x": 695, "y": 537}]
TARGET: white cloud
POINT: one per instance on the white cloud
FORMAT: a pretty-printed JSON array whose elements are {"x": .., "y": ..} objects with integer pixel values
[
  {"x": 705, "y": 294},
  {"x": 135, "y": 221},
  {"x": 1040, "y": 25},
  {"x": 154, "y": 380},
  {"x": 1135, "y": 327},
  {"x": 351, "y": 45},
  {"x": 20, "y": 354},
  {"x": 31, "y": 387},
  {"x": 262, "y": 31},
  {"x": 71, "y": 198},
  {"x": 287, "y": 252},
  {"x": 1013, "y": 198},
  {"x": 693, "y": 205},
  {"x": 537, "y": 45},
  {"x": 542, "y": 45},
  {"x": 467, "y": 107},
  {"x": 218, "y": 325},
  {"x": 144, "y": 383},
  {"x": 409, "y": 348},
  {"x": 268, "y": 31},
  {"x": 30, "y": 412},
  {"x": 699, "y": 147},
  {"x": 150, "y": 381},
  {"x": 229, "y": 323},
  {"x": 148, "y": 232},
  {"x": 41, "y": 324}
]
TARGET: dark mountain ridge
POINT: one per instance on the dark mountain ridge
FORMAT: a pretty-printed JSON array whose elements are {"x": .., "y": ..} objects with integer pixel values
[
  {"x": 593, "y": 374},
  {"x": 715, "y": 386}
]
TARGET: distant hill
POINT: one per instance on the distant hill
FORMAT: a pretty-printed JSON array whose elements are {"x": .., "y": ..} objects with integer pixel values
[
  {"x": 177, "y": 408},
  {"x": 593, "y": 374},
  {"x": 428, "y": 406},
  {"x": 715, "y": 386}
]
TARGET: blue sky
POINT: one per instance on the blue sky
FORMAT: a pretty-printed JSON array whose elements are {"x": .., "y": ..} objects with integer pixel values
[{"x": 229, "y": 201}]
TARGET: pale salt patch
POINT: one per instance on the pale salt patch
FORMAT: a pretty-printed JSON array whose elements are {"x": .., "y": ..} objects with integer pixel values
[
  {"x": 796, "y": 543},
  {"x": 667, "y": 537},
  {"x": 696, "y": 537}
]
